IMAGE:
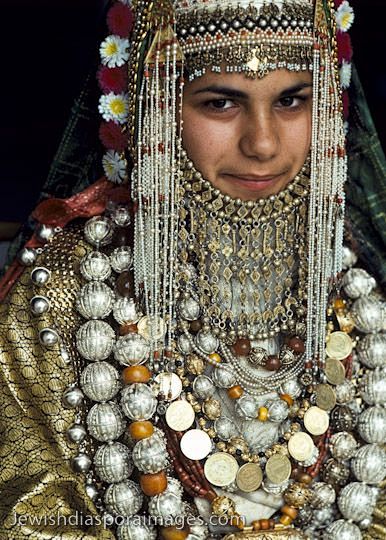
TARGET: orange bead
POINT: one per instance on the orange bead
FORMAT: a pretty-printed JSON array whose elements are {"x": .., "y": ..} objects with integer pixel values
[
  {"x": 256, "y": 525},
  {"x": 339, "y": 304},
  {"x": 125, "y": 329},
  {"x": 264, "y": 523},
  {"x": 172, "y": 533},
  {"x": 153, "y": 484},
  {"x": 285, "y": 520},
  {"x": 289, "y": 511},
  {"x": 141, "y": 430},
  {"x": 237, "y": 521},
  {"x": 262, "y": 414},
  {"x": 287, "y": 398},
  {"x": 216, "y": 357},
  {"x": 136, "y": 374},
  {"x": 235, "y": 392}
]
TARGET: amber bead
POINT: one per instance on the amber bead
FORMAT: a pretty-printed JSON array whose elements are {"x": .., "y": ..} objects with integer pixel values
[
  {"x": 173, "y": 533},
  {"x": 141, "y": 430},
  {"x": 287, "y": 398},
  {"x": 216, "y": 357},
  {"x": 125, "y": 284},
  {"x": 136, "y": 374},
  {"x": 271, "y": 524},
  {"x": 195, "y": 326},
  {"x": 235, "y": 392},
  {"x": 262, "y": 414},
  {"x": 237, "y": 521},
  {"x": 256, "y": 525},
  {"x": 123, "y": 236},
  {"x": 264, "y": 524},
  {"x": 242, "y": 347},
  {"x": 153, "y": 484},
  {"x": 339, "y": 304},
  {"x": 297, "y": 345},
  {"x": 272, "y": 363},
  {"x": 289, "y": 511},
  {"x": 285, "y": 520},
  {"x": 125, "y": 329}
]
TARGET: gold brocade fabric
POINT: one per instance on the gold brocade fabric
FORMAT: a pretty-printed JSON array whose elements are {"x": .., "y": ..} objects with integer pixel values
[{"x": 41, "y": 497}]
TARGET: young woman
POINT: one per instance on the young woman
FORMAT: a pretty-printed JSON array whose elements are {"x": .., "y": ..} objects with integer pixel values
[{"x": 201, "y": 358}]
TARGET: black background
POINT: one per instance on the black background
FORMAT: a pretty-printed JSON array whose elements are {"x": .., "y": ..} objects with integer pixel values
[{"x": 47, "y": 47}]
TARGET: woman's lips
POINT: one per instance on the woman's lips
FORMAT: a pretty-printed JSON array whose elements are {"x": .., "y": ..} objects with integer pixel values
[{"x": 252, "y": 182}]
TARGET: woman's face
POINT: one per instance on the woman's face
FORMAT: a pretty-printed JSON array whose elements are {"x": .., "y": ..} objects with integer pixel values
[{"x": 248, "y": 137}]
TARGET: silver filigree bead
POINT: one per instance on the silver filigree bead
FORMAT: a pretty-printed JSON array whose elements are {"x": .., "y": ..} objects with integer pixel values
[
  {"x": 124, "y": 498},
  {"x": 223, "y": 377},
  {"x": 40, "y": 276},
  {"x": 275, "y": 489},
  {"x": 125, "y": 311},
  {"x": 356, "y": 501},
  {"x": 98, "y": 231},
  {"x": 135, "y": 530},
  {"x": 150, "y": 455},
  {"x": 277, "y": 410},
  {"x": 100, "y": 381},
  {"x": 246, "y": 407},
  {"x": 345, "y": 392},
  {"x": 44, "y": 233},
  {"x": 358, "y": 282},
  {"x": 81, "y": 463},
  {"x": 225, "y": 428},
  {"x": 138, "y": 402},
  {"x": 121, "y": 259},
  {"x": 95, "y": 340},
  {"x": 105, "y": 422},
  {"x": 27, "y": 256},
  {"x": 207, "y": 342},
  {"x": 72, "y": 397},
  {"x": 371, "y": 350},
  {"x": 203, "y": 387},
  {"x": 368, "y": 315},
  {"x": 76, "y": 433},
  {"x": 95, "y": 300},
  {"x": 189, "y": 309},
  {"x": 343, "y": 445},
  {"x": 48, "y": 337},
  {"x": 322, "y": 495},
  {"x": 95, "y": 266},
  {"x": 166, "y": 507},
  {"x": 369, "y": 464},
  {"x": 291, "y": 387},
  {"x": 184, "y": 345},
  {"x": 373, "y": 387},
  {"x": 112, "y": 462},
  {"x": 131, "y": 349},
  {"x": 39, "y": 305},
  {"x": 372, "y": 425},
  {"x": 342, "y": 530}
]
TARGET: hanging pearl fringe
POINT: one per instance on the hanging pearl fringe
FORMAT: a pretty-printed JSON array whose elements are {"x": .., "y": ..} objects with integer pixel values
[
  {"x": 327, "y": 198},
  {"x": 155, "y": 186}
]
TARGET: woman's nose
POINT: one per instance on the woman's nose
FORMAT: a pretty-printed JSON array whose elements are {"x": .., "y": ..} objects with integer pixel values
[{"x": 259, "y": 137}]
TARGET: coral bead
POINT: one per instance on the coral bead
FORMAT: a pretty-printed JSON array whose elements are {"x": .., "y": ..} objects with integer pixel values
[
  {"x": 265, "y": 525},
  {"x": 297, "y": 345},
  {"x": 141, "y": 430},
  {"x": 172, "y": 533},
  {"x": 153, "y": 484},
  {"x": 273, "y": 363},
  {"x": 125, "y": 329},
  {"x": 235, "y": 392},
  {"x": 242, "y": 347},
  {"x": 136, "y": 374},
  {"x": 256, "y": 525}
]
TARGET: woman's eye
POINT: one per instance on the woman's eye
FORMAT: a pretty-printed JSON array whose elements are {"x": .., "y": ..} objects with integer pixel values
[
  {"x": 290, "y": 101},
  {"x": 220, "y": 104}
]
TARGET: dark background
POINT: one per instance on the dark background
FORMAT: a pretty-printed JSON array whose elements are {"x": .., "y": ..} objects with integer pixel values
[{"x": 48, "y": 46}]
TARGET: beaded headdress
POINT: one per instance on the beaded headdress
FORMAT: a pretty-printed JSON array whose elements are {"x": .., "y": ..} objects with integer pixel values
[{"x": 184, "y": 39}]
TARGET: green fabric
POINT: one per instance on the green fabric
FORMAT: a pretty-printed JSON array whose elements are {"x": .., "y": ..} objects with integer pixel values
[{"x": 366, "y": 189}]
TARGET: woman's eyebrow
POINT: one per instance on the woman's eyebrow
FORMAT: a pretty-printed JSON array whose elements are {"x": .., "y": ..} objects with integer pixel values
[
  {"x": 294, "y": 89},
  {"x": 223, "y": 90}
]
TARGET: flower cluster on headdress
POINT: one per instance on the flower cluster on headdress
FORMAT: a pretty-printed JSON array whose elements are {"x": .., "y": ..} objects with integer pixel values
[
  {"x": 344, "y": 20},
  {"x": 113, "y": 79}
]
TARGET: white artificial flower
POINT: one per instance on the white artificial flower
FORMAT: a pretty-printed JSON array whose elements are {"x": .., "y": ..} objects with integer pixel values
[
  {"x": 114, "y": 51},
  {"x": 114, "y": 166},
  {"x": 114, "y": 107},
  {"x": 345, "y": 74},
  {"x": 344, "y": 16}
]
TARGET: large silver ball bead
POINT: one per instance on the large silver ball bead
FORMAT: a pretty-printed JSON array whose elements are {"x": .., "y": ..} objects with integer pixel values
[
  {"x": 372, "y": 425},
  {"x": 95, "y": 340},
  {"x": 124, "y": 498},
  {"x": 373, "y": 387},
  {"x": 246, "y": 407},
  {"x": 356, "y": 501},
  {"x": 203, "y": 387},
  {"x": 138, "y": 402},
  {"x": 27, "y": 256},
  {"x": 166, "y": 507},
  {"x": 207, "y": 342},
  {"x": 224, "y": 378},
  {"x": 345, "y": 392},
  {"x": 105, "y": 422},
  {"x": 358, "y": 282},
  {"x": 131, "y": 349},
  {"x": 134, "y": 529},
  {"x": 44, "y": 233},
  {"x": 72, "y": 397},
  {"x": 39, "y": 305},
  {"x": 371, "y": 350},
  {"x": 121, "y": 259},
  {"x": 98, "y": 231},
  {"x": 291, "y": 387},
  {"x": 40, "y": 276},
  {"x": 125, "y": 311},
  {"x": 150, "y": 455},
  {"x": 48, "y": 337},
  {"x": 342, "y": 418},
  {"x": 277, "y": 410},
  {"x": 322, "y": 495},
  {"x": 95, "y": 300},
  {"x": 95, "y": 266},
  {"x": 343, "y": 445},
  {"x": 342, "y": 530},
  {"x": 76, "y": 433},
  {"x": 368, "y": 315},
  {"x": 100, "y": 381},
  {"x": 81, "y": 463},
  {"x": 189, "y": 309},
  {"x": 113, "y": 462},
  {"x": 335, "y": 473},
  {"x": 121, "y": 216},
  {"x": 369, "y": 464},
  {"x": 349, "y": 257}
]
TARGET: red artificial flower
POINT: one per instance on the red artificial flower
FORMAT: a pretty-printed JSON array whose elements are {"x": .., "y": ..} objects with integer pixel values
[
  {"x": 346, "y": 104},
  {"x": 338, "y": 3},
  {"x": 344, "y": 46},
  {"x": 120, "y": 20},
  {"x": 112, "y": 137},
  {"x": 113, "y": 79}
]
